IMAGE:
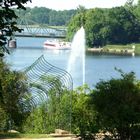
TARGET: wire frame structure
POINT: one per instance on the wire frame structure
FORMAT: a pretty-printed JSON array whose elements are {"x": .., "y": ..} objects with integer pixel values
[{"x": 52, "y": 87}]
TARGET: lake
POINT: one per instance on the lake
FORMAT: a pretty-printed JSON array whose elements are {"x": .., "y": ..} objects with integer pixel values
[{"x": 97, "y": 66}]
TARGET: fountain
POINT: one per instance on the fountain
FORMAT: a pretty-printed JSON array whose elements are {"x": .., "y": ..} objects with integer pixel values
[{"x": 77, "y": 56}]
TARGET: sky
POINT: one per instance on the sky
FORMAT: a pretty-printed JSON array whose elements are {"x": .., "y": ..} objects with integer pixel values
[{"x": 73, "y": 4}]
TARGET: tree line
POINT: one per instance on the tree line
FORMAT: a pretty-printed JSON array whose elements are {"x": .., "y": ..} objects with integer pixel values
[
  {"x": 118, "y": 25},
  {"x": 42, "y": 15}
]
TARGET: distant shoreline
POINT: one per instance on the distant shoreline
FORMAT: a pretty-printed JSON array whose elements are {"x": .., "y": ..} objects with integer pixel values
[{"x": 130, "y": 52}]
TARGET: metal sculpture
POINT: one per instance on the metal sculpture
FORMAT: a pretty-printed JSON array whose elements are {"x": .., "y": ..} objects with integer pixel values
[{"x": 46, "y": 83}]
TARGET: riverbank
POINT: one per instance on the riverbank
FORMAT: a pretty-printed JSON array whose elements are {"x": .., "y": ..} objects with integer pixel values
[{"x": 130, "y": 49}]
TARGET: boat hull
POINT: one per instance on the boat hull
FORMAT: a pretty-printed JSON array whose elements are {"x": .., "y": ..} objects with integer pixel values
[{"x": 57, "y": 45}]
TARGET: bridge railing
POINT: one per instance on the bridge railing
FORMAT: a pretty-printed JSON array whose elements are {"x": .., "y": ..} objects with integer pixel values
[{"x": 41, "y": 31}]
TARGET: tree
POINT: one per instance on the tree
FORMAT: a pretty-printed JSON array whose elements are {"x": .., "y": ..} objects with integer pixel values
[
  {"x": 83, "y": 120},
  {"x": 96, "y": 27},
  {"x": 13, "y": 87},
  {"x": 117, "y": 25},
  {"x": 136, "y": 11},
  {"x": 3, "y": 119},
  {"x": 116, "y": 103},
  {"x": 39, "y": 15},
  {"x": 76, "y": 22},
  {"x": 8, "y": 20},
  {"x": 124, "y": 26},
  {"x": 73, "y": 26}
]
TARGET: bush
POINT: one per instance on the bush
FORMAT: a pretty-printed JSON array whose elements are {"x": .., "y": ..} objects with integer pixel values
[
  {"x": 3, "y": 120},
  {"x": 117, "y": 107}
]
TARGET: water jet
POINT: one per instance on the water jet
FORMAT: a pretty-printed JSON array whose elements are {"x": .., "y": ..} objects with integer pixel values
[{"x": 77, "y": 55}]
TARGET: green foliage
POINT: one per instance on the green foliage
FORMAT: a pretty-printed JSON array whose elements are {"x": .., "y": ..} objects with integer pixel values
[
  {"x": 76, "y": 22},
  {"x": 136, "y": 10},
  {"x": 129, "y": 5},
  {"x": 12, "y": 89},
  {"x": 107, "y": 26},
  {"x": 54, "y": 108},
  {"x": 113, "y": 106},
  {"x": 116, "y": 102},
  {"x": 74, "y": 25},
  {"x": 43, "y": 15},
  {"x": 3, "y": 119},
  {"x": 83, "y": 120},
  {"x": 49, "y": 115},
  {"x": 96, "y": 27},
  {"x": 35, "y": 122},
  {"x": 8, "y": 20},
  {"x": 126, "y": 26},
  {"x": 68, "y": 111}
]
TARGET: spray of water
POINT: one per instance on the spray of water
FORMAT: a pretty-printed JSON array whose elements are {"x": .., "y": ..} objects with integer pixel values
[{"x": 77, "y": 56}]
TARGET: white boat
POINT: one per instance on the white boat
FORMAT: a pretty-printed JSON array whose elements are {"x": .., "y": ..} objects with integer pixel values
[{"x": 57, "y": 45}]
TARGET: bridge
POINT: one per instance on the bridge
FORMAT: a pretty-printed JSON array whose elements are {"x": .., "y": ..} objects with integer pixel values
[
  {"x": 41, "y": 31},
  {"x": 33, "y": 29}
]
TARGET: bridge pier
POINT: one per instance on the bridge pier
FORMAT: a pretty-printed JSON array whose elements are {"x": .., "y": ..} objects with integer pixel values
[{"x": 12, "y": 43}]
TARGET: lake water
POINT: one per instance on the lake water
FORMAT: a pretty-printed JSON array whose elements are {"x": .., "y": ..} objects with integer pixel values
[{"x": 97, "y": 66}]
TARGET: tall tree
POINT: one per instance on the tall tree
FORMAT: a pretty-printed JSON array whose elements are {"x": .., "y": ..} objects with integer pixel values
[
  {"x": 8, "y": 20},
  {"x": 12, "y": 90},
  {"x": 124, "y": 26},
  {"x": 96, "y": 27},
  {"x": 76, "y": 22}
]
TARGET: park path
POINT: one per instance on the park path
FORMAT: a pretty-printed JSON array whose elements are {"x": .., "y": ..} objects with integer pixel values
[{"x": 56, "y": 138}]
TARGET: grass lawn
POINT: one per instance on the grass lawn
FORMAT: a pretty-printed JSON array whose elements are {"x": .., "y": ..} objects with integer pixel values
[
  {"x": 137, "y": 50},
  {"x": 20, "y": 135},
  {"x": 123, "y": 47}
]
